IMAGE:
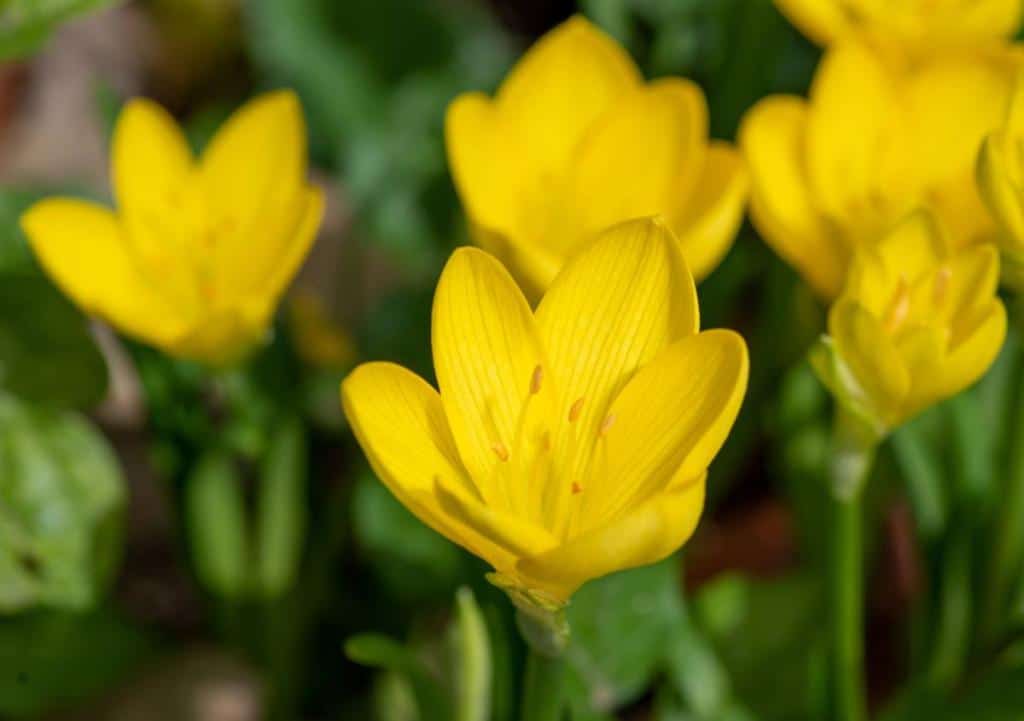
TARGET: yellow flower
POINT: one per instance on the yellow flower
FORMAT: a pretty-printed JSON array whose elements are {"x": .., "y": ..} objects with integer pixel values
[
  {"x": 575, "y": 142},
  {"x": 198, "y": 251},
  {"x": 1001, "y": 181},
  {"x": 874, "y": 141},
  {"x": 565, "y": 443},
  {"x": 917, "y": 323},
  {"x": 911, "y": 24}
]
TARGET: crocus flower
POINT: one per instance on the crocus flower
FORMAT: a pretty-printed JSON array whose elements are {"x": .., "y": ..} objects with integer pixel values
[
  {"x": 1001, "y": 181},
  {"x": 910, "y": 24},
  {"x": 874, "y": 141},
  {"x": 573, "y": 142},
  {"x": 918, "y": 322},
  {"x": 198, "y": 251},
  {"x": 565, "y": 443}
]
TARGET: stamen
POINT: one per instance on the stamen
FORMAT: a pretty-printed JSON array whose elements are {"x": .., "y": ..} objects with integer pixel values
[
  {"x": 576, "y": 410},
  {"x": 536, "y": 380},
  {"x": 942, "y": 279},
  {"x": 607, "y": 424},
  {"x": 900, "y": 307},
  {"x": 576, "y": 488},
  {"x": 545, "y": 441},
  {"x": 500, "y": 451}
]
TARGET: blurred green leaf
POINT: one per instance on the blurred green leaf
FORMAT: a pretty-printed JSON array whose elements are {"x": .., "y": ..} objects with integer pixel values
[
  {"x": 996, "y": 696},
  {"x": 621, "y": 628},
  {"x": 381, "y": 652},
  {"x": 282, "y": 508},
  {"x": 473, "y": 667},
  {"x": 215, "y": 520},
  {"x": 758, "y": 625},
  {"x": 412, "y": 561},
  {"x": 49, "y": 660},
  {"x": 61, "y": 495},
  {"x": 26, "y": 24},
  {"x": 46, "y": 351}
]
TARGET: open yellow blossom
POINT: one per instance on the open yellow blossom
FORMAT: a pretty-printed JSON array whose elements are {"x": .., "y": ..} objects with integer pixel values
[
  {"x": 1001, "y": 181},
  {"x": 565, "y": 443},
  {"x": 198, "y": 251},
  {"x": 874, "y": 141},
  {"x": 911, "y": 24},
  {"x": 573, "y": 142},
  {"x": 917, "y": 323}
]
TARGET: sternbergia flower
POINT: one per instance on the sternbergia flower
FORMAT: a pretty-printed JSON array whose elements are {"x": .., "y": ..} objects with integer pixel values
[
  {"x": 1001, "y": 181},
  {"x": 565, "y": 443},
  {"x": 875, "y": 141},
  {"x": 573, "y": 142},
  {"x": 918, "y": 322},
  {"x": 908, "y": 24},
  {"x": 198, "y": 251}
]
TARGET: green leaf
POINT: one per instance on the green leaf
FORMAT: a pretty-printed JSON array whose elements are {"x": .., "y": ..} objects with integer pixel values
[
  {"x": 61, "y": 497},
  {"x": 46, "y": 352},
  {"x": 215, "y": 512},
  {"x": 621, "y": 628},
  {"x": 49, "y": 660},
  {"x": 282, "y": 508},
  {"x": 387, "y": 654},
  {"x": 26, "y": 24},
  {"x": 473, "y": 667}
]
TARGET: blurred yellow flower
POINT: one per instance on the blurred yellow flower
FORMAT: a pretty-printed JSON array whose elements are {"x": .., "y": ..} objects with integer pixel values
[
  {"x": 198, "y": 251},
  {"x": 1001, "y": 181},
  {"x": 874, "y": 141},
  {"x": 910, "y": 24},
  {"x": 917, "y": 323},
  {"x": 318, "y": 339},
  {"x": 568, "y": 443},
  {"x": 573, "y": 142}
]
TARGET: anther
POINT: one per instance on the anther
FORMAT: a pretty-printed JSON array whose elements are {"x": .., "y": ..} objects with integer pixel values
[
  {"x": 500, "y": 451},
  {"x": 545, "y": 441},
  {"x": 536, "y": 380},
  {"x": 576, "y": 410},
  {"x": 606, "y": 424},
  {"x": 576, "y": 488}
]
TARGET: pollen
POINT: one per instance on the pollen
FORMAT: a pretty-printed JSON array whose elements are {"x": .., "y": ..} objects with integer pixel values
[
  {"x": 576, "y": 410},
  {"x": 500, "y": 451}
]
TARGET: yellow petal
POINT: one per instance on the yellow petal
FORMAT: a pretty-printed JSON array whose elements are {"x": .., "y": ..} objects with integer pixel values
[
  {"x": 486, "y": 161},
  {"x": 647, "y": 534},
  {"x": 400, "y": 425},
  {"x": 855, "y": 159},
  {"x": 969, "y": 360},
  {"x": 253, "y": 177},
  {"x": 671, "y": 418},
  {"x": 150, "y": 161},
  {"x": 533, "y": 265},
  {"x": 560, "y": 87},
  {"x": 954, "y": 101},
  {"x": 614, "y": 307},
  {"x": 292, "y": 248},
  {"x": 80, "y": 245},
  {"x": 772, "y": 137},
  {"x": 971, "y": 286},
  {"x": 1002, "y": 194},
  {"x": 517, "y": 536},
  {"x": 486, "y": 349},
  {"x": 922, "y": 350},
  {"x": 642, "y": 158},
  {"x": 870, "y": 355},
  {"x": 823, "y": 21},
  {"x": 713, "y": 215},
  {"x": 220, "y": 338}
]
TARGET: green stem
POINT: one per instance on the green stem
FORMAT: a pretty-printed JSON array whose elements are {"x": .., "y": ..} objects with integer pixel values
[
  {"x": 1009, "y": 527},
  {"x": 851, "y": 461},
  {"x": 542, "y": 687}
]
